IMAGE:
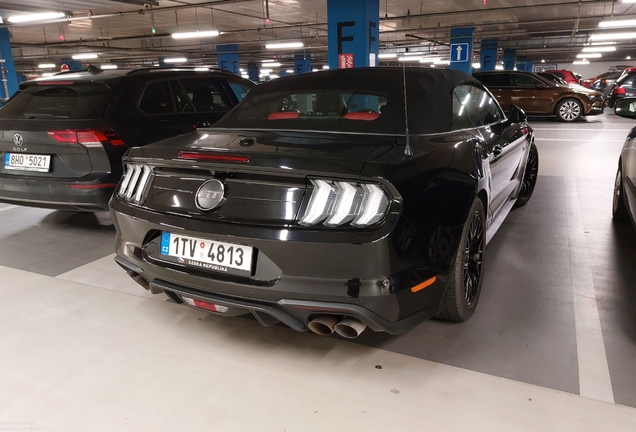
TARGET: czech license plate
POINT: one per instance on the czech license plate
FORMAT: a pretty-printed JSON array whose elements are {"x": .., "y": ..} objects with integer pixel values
[
  {"x": 27, "y": 162},
  {"x": 208, "y": 254}
]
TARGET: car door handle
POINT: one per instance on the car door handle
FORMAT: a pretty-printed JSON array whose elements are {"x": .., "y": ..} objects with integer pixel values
[{"x": 497, "y": 150}]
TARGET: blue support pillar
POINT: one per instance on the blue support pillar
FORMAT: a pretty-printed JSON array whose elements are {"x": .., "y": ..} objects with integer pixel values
[
  {"x": 302, "y": 63},
  {"x": 253, "y": 72},
  {"x": 461, "y": 49},
  {"x": 509, "y": 59},
  {"x": 7, "y": 65},
  {"x": 488, "y": 55},
  {"x": 353, "y": 33},
  {"x": 528, "y": 65},
  {"x": 521, "y": 63},
  {"x": 228, "y": 57}
]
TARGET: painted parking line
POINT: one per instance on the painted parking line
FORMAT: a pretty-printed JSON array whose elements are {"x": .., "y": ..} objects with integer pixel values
[
  {"x": 9, "y": 207},
  {"x": 600, "y": 140},
  {"x": 594, "y": 375}
]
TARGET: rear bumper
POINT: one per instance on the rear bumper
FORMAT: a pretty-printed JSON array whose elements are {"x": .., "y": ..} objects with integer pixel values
[
  {"x": 56, "y": 194},
  {"x": 293, "y": 281}
]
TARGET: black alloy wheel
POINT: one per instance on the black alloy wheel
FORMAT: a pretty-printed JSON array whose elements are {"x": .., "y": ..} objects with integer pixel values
[
  {"x": 464, "y": 286},
  {"x": 529, "y": 180},
  {"x": 619, "y": 206}
]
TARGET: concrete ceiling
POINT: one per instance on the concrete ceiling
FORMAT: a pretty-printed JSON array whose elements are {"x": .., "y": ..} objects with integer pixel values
[{"x": 121, "y": 30}]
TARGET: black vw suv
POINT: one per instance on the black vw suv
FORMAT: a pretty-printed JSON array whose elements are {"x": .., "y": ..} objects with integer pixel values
[{"x": 62, "y": 138}]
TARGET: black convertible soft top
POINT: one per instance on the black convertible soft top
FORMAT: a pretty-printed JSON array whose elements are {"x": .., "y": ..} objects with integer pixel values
[{"x": 429, "y": 94}]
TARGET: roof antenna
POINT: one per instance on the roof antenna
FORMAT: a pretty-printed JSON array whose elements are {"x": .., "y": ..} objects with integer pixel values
[{"x": 407, "y": 150}]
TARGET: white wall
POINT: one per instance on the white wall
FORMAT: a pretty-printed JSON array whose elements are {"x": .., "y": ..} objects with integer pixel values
[{"x": 594, "y": 68}]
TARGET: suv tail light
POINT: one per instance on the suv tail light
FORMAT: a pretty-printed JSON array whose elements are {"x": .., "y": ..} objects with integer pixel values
[
  {"x": 619, "y": 90},
  {"x": 87, "y": 137},
  {"x": 336, "y": 203}
]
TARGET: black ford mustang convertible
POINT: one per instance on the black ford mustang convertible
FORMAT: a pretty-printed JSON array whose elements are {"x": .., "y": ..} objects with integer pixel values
[{"x": 331, "y": 201}]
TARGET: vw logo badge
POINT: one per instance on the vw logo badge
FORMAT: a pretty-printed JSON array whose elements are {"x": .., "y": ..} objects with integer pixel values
[
  {"x": 210, "y": 195},
  {"x": 17, "y": 139}
]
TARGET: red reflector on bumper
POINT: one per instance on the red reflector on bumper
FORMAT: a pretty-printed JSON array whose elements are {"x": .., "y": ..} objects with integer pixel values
[
  {"x": 205, "y": 305},
  {"x": 93, "y": 186},
  {"x": 214, "y": 157}
]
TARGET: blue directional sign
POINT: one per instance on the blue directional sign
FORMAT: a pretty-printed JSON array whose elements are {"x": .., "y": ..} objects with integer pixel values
[{"x": 459, "y": 52}]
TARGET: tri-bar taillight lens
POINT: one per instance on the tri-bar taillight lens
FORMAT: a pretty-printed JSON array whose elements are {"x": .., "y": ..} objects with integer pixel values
[
  {"x": 336, "y": 203},
  {"x": 135, "y": 183},
  {"x": 87, "y": 137}
]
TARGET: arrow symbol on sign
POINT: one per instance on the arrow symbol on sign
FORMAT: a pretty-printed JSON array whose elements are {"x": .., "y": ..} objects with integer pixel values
[{"x": 459, "y": 52}]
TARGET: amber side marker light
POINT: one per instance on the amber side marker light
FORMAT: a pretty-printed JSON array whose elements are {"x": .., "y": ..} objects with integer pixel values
[
  {"x": 214, "y": 157},
  {"x": 425, "y": 284}
]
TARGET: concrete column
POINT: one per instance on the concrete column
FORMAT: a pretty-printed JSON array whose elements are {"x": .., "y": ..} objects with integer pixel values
[
  {"x": 461, "y": 49},
  {"x": 302, "y": 63},
  {"x": 228, "y": 57},
  {"x": 488, "y": 55},
  {"x": 353, "y": 33},
  {"x": 509, "y": 59}
]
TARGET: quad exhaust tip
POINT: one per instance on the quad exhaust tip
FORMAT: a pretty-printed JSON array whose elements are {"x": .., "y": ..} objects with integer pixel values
[{"x": 347, "y": 327}]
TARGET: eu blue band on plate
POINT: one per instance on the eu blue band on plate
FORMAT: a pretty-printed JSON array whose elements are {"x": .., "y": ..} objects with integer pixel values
[
  {"x": 165, "y": 243},
  {"x": 7, "y": 159}
]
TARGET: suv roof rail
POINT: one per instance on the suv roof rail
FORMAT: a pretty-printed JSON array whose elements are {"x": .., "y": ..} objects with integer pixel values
[{"x": 176, "y": 69}]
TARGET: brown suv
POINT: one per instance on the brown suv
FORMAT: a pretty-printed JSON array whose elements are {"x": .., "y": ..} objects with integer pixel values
[{"x": 536, "y": 95}]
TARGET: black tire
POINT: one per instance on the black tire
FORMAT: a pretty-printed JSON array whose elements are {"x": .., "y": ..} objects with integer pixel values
[
  {"x": 464, "y": 285},
  {"x": 619, "y": 206},
  {"x": 529, "y": 180},
  {"x": 569, "y": 110}
]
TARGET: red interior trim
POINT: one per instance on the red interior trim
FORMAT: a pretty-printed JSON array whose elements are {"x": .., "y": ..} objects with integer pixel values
[
  {"x": 283, "y": 115},
  {"x": 365, "y": 116}
]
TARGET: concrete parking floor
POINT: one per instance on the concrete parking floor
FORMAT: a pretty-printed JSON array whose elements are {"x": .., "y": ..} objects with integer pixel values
[{"x": 552, "y": 345}]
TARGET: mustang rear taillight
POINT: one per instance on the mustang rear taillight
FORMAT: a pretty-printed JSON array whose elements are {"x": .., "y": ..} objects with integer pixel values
[
  {"x": 87, "y": 137},
  {"x": 135, "y": 182},
  {"x": 214, "y": 157},
  {"x": 335, "y": 203},
  {"x": 205, "y": 305}
]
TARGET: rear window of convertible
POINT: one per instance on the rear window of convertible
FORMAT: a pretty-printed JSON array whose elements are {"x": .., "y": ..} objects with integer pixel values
[{"x": 315, "y": 106}]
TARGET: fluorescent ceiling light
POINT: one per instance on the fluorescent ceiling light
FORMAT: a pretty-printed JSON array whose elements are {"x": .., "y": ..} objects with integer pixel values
[
  {"x": 599, "y": 49},
  {"x": 441, "y": 62},
  {"x": 266, "y": 71},
  {"x": 430, "y": 59},
  {"x": 499, "y": 67},
  {"x": 589, "y": 55},
  {"x": 618, "y": 23},
  {"x": 603, "y": 43},
  {"x": 409, "y": 59},
  {"x": 272, "y": 64},
  {"x": 628, "y": 58},
  {"x": 413, "y": 53},
  {"x": 610, "y": 36},
  {"x": 273, "y": 76},
  {"x": 48, "y": 74},
  {"x": 268, "y": 61},
  {"x": 290, "y": 71},
  {"x": 629, "y": 1},
  {"x": 85, "y": 56},
  {"x": 201, "y": 69},
  {"x": 284, "y": 45},
  {"x": 581, "y": 62},
  {"x": 477, "y": 65},
  {"x": 46, "y": 65},
  {"x": 387, "y": 55},
  {"x": 195, "y": 34},
  {"x": 17, "y": 19},
  {"x": 325, "y": 67},
  {"x": 175, "y": 60},
  {"x": 109, "y": 66}
]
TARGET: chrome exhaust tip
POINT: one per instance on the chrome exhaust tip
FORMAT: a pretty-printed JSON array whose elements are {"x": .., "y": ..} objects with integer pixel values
[
  {"x": 350, "y": 328},
  {"x": 323, "y": 325}
]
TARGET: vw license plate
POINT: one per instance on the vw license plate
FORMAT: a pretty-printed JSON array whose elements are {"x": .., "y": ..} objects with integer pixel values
[
  {"x": 27, "y": 162},
  {"x": 208, "y": 254}
]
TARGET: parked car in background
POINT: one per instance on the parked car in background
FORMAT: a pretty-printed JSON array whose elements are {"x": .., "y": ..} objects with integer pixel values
[
  {"x": 62, "y": 138},
  {"x": 552, "y": 77},
  {"x": 320, "y": 203},
  {"x": 604, "y": 84},
  {"x": 624, "y": 202},
  {"x": 623, "y": 86},
  {"x": 536, "y": 95},
  {"x": 605, "y": 76},
  {"x": 567, "y": 76}
]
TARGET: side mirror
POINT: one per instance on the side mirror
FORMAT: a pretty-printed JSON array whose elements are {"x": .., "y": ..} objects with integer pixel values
[
  {"x": 626, "y": 107},
  {"x": 516, "y": 114}
]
